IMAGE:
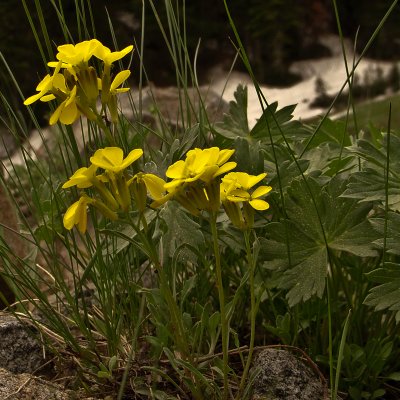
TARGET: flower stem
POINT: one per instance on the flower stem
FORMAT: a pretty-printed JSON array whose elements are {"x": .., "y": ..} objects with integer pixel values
[
  {"x": 106, "y": 130},
  {"x": 224, "y": 320},
  {"x": 253, "y": 311}
]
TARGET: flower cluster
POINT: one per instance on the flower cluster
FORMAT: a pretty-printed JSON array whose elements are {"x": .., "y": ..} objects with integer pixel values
[
  {"x": 239, "y": 204},
  {"x": 79, "y": 86},
  {"x": 113, "y": 188},
  {"x": 199, "y": 183}
]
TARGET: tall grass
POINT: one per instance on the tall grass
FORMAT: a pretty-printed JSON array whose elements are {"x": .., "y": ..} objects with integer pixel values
[{"x": 163, "y": 304}]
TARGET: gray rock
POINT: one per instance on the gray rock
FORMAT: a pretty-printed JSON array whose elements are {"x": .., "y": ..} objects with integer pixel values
[
  {"x": 279, "y": 375},
  {"x": 19, "y": 350}
]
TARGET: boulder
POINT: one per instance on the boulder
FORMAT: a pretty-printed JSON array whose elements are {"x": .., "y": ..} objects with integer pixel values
[
  {"x": 20, "y": 351},
  {"x": 279, "y": 375}
]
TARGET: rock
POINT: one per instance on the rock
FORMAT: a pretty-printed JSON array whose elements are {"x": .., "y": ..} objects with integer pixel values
[
  {"x": 29, "y": 387},
  {"x": 20, "y": 351},
  {"x": 282, "y": 376},
  {"x": 173, "y": 105}
]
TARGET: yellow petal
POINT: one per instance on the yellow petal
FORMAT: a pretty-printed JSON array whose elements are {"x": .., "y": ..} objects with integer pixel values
[
  {"x": 117, "y": 55},
  {"x": 240, "y": 193},
  {"x": 32, "y": 99},
  {"x": 235, "y": 199},
  {"x": 173, "y": 185},
  {"x": 261, "y": 191},
  {"x": 82, "y": 178},
  {"x": 199, "y": 162},
  {"x": 55, "y": 64},
  {"x": 259, "y": 205},
  {"x": 155, "y": 185},
  {"x": 225, "y": 168},
  {"x": 131, "y": 157},
  {"x": 176, "y": 170},
  {"x": 253, "y": 180},
  {"x": 119, "y": 79},
  {"x": 44, "y": 83},
  {"x": 69, "y": 114},
  {"x": 224, "y": 156},
  {"x": 47, "y": 97},
  {"x": 56, "y": 115},
  {"x": 108, "y": 157},
  {"x": 69, "y": 216},
  {"x": 59, "y": 82},
  {"x": 207, "y": 174}
]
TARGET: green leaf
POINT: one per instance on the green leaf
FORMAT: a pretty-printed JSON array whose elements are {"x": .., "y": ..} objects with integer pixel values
[
  {"x": 394, "y": 376},
  {"x": 357, "y": 240},
  {"x": 248, "y": 156},
  {"x": 297, "y": 248},
  {"x": 370, "y": 185},
  {"x": 307, "y": 278},
  {"x": 331, "y": 132},
  {"x": 392, "y": 243},
  {"x": 385, "y": 296},
  {"x": 104, "y": 375},
  {"x": 375, "y": 153},
  {"x": 179, "y": 229},
  {"x": 235, "y": 123},
  {"x": 274, "y": 122}
]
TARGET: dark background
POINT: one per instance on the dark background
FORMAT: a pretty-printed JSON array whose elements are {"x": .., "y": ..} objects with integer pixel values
[{"x": 274, "y": 32}]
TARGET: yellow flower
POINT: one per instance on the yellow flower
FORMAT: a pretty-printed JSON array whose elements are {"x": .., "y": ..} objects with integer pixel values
[
  {"x": 235, "y": 188},
  {"x": 77, "y": 55},
  {"x": 67, "y": 112},
  {"x": 239, "y": 204},
  {"x": 82, "y": 178},
  {"x": 109, "y": 92},
  {"x": 203, "y": 165},
  {"x": 77, "y": 214},
  {"x": 112, "y": 158},
  {"x": 44, "y": 87},
  {"x": 194, "y": 184}
]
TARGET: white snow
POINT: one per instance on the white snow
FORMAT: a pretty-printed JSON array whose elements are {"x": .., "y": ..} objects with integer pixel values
[{"x": 331, "y": 70}]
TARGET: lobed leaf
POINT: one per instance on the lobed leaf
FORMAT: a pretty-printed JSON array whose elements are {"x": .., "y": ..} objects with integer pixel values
[
  {"x": 385, "y": 296},
  {"x": 297, "y": 249}
]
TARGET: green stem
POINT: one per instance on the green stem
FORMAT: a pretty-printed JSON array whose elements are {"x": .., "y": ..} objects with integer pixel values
[
  {"x": 224, "y": 320},
  {"x": 253, "y": 311},
  {"x": 106, "y": 130},
  {"x": 330, "y": 348}
]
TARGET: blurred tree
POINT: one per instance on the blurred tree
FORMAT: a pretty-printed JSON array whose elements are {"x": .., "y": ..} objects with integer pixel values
[{"x": 365, "y": 15}]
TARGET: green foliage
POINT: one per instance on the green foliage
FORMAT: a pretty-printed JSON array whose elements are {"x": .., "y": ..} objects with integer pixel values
[
  {"x": 385, "y": 296},
  {"x": 319, "y": 222},
  {"x": 180, "y": 234},
  {"x": 173, "y": 297}
]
